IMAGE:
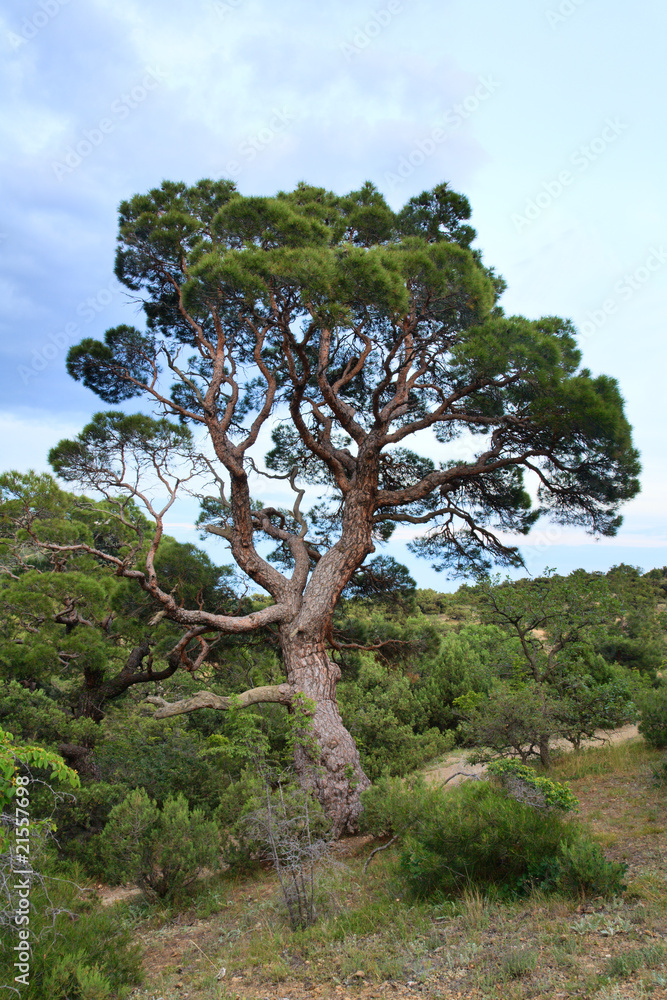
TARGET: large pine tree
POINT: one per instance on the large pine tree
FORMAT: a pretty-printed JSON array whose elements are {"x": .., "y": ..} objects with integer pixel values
[{"x": 353, "y": 332}]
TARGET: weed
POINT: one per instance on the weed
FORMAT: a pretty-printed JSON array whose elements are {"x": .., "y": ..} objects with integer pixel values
[
  {"x": 518, "y": 963},
  {"x": 473, "y": 908},
  {"x": 650, "y": 957}
]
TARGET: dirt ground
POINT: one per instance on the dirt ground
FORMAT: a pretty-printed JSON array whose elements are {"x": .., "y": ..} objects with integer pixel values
[{"x": 454, "y": 769}]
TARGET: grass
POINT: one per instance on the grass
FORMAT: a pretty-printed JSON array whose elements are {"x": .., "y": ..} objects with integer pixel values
[{"x": 370, "y": 941}]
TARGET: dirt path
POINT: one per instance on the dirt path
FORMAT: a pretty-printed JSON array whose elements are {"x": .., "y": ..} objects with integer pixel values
[{"x": 455, "y": 769}]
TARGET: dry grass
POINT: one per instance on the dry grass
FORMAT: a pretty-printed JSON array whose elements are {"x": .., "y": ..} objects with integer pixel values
[{"x": 370, "y": 941}]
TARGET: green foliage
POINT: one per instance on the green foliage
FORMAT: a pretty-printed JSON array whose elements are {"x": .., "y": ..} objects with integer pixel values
[
  {"x": 160, "y": 756},
  {"x": 80, "y": 950},
  {"x": 584, "y": 870},
  {"x": 550, "y": 794},
  {"x": 36, "y": 716},
  {"x": 239, "y": 844},
  {"x": 513, "y": 720},
  {"x": 384, "y": 579},
  {"x": 66, "y": 624},
  {"x": 464, "y": 663},
  {"x": 653, "y": 721},
  {"x": 14, "y": 756},
  {"x": 481, "y": 836},
  {"x": 395, "y": 806},
  {"x": 162, "y": 850},
  {"x": 382, "y": 713},
  {"x": 477, "y": 834}
]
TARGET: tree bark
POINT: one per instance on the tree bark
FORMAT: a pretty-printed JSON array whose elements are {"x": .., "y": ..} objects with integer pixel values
[
  {"x": 545, "y": 752},
  {"x": 331, "y": 767}
]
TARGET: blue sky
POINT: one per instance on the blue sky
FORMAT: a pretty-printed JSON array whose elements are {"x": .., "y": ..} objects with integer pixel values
[{"x": 547, "y": 114}]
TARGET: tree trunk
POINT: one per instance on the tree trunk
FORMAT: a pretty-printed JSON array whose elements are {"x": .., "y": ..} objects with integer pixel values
[
  {"x": 334, "y": 771},
  {"x": 545, "y": 752}
]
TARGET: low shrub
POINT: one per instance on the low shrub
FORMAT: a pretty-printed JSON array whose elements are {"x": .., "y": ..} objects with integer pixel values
[
  {"x": 479, "y": 835},
  {"x": 586, "y": 872},
  {"x": 162, "y": 850},
  {"x": 80, "y": 951},
  {"x": 476, "y": 835},
  {"x": 653, "y": 723}
]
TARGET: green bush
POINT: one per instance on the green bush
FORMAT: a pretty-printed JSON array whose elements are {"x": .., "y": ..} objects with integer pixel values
[
  {"x": 162, "y": 850},
  {"x": 394, "y": 806},
  {"x": 478, "y": 835},
  {"x": 159, "y": 755},
  {"x": 238, "y": 844},
  {"x": 466, "y": 661},
  {"x": 653, "y": 724},
  {"x": 586, "y": 872},
  {"x": 381, "y": 711},
  {"x": 80, "y": 951}
]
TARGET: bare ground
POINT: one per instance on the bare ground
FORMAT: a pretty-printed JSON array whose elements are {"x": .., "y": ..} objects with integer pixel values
[{"x": 455, "y": 769}]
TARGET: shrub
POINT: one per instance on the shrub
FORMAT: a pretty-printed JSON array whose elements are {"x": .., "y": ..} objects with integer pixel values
[
  {"x": 465, "y": 662},
  {"x": 158, "y": 755},
  {"x": 653, "y": 724},
  {"x": 521, "y": 782},
  {"x": 162, "y": 850},
  {"x": 80, "y": 950},
  {"x": 381, "y": 711},
  {"x": 478, "y": 835},
  {"x": 238, "y": 844},
  {"x": 394, "y": 806},
  {"x": 584, "y": 870}
]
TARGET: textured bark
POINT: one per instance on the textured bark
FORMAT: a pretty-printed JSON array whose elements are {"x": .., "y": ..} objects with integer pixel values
[
  {"x": 333, "y": 772},
  {"x": 281, "y": 693}
]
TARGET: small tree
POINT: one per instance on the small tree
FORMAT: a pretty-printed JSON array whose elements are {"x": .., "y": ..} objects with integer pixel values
[
  {"x": 551, "y": 625},
  {"x": 162, "y": 850},
  {"x": 356, "y": 334}
]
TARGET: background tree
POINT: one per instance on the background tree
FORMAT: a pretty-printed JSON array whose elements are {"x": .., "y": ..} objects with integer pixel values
[
  {"x": 351, "y": 331},
  {"x": 553, "y": 683},
  {"x": 71, "y": 628}
]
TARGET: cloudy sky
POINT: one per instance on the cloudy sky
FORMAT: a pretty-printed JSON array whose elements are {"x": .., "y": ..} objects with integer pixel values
[{"x": 547, "y": 114}]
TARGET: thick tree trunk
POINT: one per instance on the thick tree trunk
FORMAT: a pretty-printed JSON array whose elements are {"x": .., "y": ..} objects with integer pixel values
[{"x": 334, "y": 771}]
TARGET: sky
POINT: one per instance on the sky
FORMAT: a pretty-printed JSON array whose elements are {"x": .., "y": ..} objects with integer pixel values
[{"x": 547, "y": 114}]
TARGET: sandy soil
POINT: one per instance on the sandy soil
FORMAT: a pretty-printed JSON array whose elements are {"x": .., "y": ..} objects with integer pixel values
[{"x": 454, "y": 769}]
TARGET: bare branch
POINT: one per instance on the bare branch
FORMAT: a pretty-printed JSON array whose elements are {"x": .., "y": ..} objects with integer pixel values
[{"x": 281, "y": 694}]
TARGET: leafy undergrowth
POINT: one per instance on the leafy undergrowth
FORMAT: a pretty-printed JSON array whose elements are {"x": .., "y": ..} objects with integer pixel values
[{"x": 371, "y": 941}]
